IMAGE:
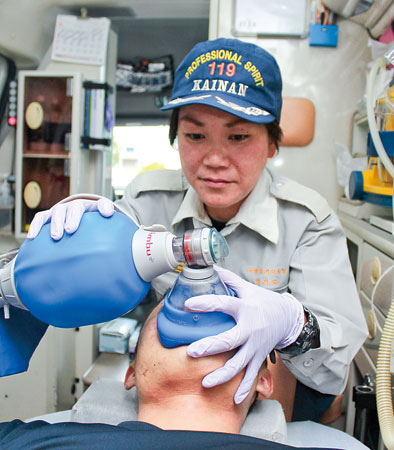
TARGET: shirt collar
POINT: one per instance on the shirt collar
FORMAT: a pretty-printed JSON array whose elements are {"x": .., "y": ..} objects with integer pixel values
[
  {"x": 193, "y": 207},
  {"x": 258, "y": 212}
]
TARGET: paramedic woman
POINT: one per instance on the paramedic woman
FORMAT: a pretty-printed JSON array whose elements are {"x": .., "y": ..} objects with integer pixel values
[{"x": 288, "y": 259}]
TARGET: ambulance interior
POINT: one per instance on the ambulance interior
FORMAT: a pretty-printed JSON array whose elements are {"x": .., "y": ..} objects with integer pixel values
[{"x": 336, "y": 60}]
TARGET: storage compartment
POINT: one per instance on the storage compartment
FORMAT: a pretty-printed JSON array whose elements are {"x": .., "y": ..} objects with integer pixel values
[
  {"x": 47, "y": 114},
  {"x": 46, "y": 181}
]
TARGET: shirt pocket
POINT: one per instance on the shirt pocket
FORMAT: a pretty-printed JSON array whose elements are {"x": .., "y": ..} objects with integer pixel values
[{"x": 281, "y": 289}]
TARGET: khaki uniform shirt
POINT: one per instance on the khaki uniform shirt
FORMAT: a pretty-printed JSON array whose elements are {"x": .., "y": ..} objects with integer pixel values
[{"x": 285, "y": 238}]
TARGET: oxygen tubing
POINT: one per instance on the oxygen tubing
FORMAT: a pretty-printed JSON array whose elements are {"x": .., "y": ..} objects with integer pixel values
[{"x": 383, "y": 382}]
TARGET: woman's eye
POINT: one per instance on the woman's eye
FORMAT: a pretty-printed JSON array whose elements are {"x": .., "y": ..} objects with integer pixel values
[
  {"x": 239, "y": 137},
  {"x": 194, "y": 136}
]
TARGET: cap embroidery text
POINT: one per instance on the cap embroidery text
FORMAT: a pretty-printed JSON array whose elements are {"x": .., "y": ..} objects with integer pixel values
[
  {"x": 209, "y": 56},
  {"x": 220, "y": 85}
]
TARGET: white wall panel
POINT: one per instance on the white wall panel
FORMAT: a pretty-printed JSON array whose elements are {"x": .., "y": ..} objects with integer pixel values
[
  {"x": 32, "y": 393},
  {"x": 333, "y": 78}
]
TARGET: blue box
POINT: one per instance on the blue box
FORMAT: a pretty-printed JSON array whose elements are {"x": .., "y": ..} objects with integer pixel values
[
  {"x": 114, "y": 336},
  {"x": 387, "y": 138},
  {"x": 323, "y": 35}
]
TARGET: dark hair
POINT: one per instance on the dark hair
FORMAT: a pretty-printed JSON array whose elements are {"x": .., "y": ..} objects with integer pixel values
[
  {"x": 274, "y": 130},
  {"x": 173, "y": 125}
]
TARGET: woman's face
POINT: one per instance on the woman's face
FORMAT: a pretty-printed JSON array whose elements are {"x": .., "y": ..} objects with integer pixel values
[{"x": 222, "y": 157}]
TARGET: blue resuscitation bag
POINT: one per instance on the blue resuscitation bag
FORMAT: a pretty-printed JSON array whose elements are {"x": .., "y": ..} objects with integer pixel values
[
  {"x": 87, "y": 278},
  {"x": 84, "y": 278}
]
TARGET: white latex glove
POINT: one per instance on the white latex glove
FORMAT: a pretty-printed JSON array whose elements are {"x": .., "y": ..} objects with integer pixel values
[
  {"x": 67, "y": 216},
  {"x": 265, "y": 320}
]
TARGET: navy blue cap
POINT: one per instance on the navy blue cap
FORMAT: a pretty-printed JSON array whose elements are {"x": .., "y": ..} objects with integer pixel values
[{"x": 237, "y": 77}]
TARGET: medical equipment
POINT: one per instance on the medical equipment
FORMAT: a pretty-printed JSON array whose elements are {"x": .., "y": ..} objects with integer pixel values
[
  {"x": 179, "y": 327},
  {"x": 100, "y": 272},
  {"x": 375, "y": 184},
  {"x": 6, "y": 204},
  {"x": 383, "y": 370},
  {"x": 114, "y": 336}
]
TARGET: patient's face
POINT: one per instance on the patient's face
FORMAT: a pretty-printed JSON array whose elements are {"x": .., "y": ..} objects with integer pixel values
[{"x": 159, "y": 370}]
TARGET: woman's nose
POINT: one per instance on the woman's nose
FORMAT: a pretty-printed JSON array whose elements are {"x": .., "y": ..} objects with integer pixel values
[{"x": 216, "y": 156}]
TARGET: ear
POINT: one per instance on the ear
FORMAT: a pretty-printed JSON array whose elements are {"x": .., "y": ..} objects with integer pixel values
[
  {"x": 271, "y": 147},
  {"x": 129, "y": 380},
  {"x": 265, "y": 385}
]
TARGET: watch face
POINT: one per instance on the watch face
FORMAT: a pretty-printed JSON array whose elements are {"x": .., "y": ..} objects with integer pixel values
[{"x": 309, "y": 334}]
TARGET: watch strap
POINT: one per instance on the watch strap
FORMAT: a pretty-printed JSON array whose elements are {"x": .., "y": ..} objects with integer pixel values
[{"x": 310, "y": 335}]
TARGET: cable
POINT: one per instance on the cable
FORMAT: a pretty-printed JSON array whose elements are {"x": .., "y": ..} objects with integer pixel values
[
  {"x": 382, "y": 276},
  {"x": 383, "y": 370},
  {"x": 383, "y": 382}
]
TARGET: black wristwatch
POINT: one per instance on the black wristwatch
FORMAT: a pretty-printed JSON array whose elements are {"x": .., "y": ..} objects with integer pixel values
[{"x": 309, "y": 336}]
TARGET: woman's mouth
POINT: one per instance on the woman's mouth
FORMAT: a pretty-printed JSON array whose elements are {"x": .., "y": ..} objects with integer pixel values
[{"x": 216, "y": 182}]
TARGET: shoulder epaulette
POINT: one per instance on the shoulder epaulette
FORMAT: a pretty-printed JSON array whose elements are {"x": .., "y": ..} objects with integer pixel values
[
  {"x": 291, "y": 191},
  {"x": 158, "y": 180}
]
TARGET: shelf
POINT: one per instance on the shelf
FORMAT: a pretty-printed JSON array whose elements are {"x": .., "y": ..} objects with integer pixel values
[
  {"x": 108, "y": 365},
  {"x": 46, "y": 155},
  {"x": 375, "y": 236}
]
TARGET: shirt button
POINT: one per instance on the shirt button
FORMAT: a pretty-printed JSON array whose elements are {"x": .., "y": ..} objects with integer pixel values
[{"x": 308, "y": 362}]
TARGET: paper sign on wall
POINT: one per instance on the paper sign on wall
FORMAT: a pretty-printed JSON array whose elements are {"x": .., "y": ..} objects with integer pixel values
[
  {"x": 80, "y": 40},
  {"x": 272, "y": 18}
]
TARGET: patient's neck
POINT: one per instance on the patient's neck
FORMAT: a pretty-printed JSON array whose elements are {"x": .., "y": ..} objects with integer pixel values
[{"x": 192, "y": 412}]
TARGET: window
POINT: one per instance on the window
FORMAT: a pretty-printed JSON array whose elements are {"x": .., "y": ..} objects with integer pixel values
[{"x": 137, "y": 148}]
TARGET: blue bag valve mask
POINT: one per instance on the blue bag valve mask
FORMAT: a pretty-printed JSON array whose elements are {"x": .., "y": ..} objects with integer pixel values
[
  {"x": 175, "y": 326},
  {"x": 98, "y": 273}
]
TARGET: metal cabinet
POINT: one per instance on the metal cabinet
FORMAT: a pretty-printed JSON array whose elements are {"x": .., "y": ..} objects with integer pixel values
[{"x": 51, "y": 162}]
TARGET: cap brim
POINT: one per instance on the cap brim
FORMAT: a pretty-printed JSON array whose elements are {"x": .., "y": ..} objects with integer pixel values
[{"x": 236, "y": 107}]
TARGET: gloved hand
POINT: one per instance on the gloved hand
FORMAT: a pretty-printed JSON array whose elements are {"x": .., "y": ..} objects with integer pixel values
[
  {"x": 67, "y": 216},
  {"x": 265, "y": 320}
]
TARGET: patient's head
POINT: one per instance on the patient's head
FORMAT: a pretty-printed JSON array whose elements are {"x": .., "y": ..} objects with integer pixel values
[{"x": 161, "y": 374}]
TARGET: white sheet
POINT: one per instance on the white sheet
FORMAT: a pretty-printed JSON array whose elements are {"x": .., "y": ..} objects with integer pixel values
[
  {"x": 56, "y": 417},
  {"x": 101, "y": 404}
]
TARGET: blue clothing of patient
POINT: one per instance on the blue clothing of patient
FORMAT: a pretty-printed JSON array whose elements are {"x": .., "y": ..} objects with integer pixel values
[
  {"x": 36, "y": 435},
  {"x": 19, "y": 337}
]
